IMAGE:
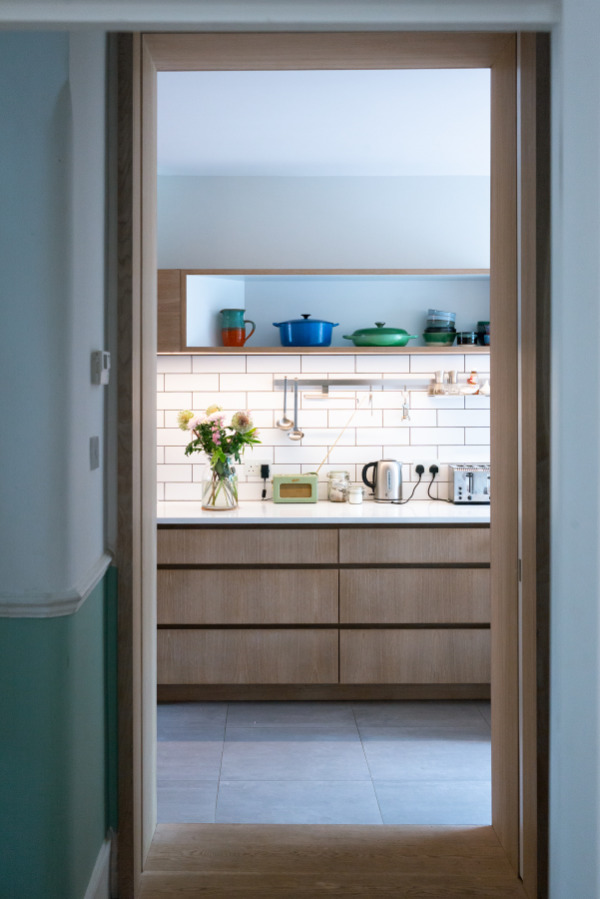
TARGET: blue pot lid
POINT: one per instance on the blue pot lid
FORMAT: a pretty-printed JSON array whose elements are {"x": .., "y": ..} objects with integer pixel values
[{"x": 305, "y": 320}]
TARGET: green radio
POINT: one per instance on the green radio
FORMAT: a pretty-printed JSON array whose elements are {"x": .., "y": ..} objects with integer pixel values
[{"x": 295, "y": 488}]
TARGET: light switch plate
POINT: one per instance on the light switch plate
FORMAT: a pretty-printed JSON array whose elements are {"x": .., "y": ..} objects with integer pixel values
[{"x": 94, "y": 453}]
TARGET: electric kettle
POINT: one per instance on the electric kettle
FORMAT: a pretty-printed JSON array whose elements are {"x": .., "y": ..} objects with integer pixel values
[{"x": 387, "y": 480}]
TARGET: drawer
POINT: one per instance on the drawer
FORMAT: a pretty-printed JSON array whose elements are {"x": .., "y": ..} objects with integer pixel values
[
  {"x": 247, "y": 546},
  {"x": 302, "y": 656},
  {"x": 415, "y": 596},
  {"x": 423, "y": 656},
  {"x": 253, "y": 596},
  {"x": 435, "y": 546}
]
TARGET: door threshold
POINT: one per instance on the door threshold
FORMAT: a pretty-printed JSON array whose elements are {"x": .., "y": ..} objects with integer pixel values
[{"x": 290, "y": 860}]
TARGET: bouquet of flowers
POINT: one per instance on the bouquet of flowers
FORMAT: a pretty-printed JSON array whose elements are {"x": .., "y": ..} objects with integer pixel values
[{"x": 221, "y": 443}]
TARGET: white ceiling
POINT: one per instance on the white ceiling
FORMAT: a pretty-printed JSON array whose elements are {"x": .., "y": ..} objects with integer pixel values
[{"x": 426, "y": 122}]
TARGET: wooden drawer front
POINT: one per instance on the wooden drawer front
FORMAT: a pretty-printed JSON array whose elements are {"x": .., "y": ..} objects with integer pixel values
[
  {"x": 252, "y": 546},
  {"x": 270, "y": 596},
  {"x": 301, "y": 656},
  {"x": 415, "y": 596},
  {"x": 435, "y": 546},
  {"x": 415, "y": 656}
]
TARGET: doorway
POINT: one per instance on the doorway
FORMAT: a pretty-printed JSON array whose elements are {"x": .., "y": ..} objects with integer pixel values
[{"x": 498, "y": 51}]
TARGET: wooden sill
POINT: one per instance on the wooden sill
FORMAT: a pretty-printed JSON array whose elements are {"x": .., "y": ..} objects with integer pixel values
[{"x": 324, "y": 350}]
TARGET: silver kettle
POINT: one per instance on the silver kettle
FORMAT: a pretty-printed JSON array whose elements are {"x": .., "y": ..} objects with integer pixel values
[{"x": 387, "y": 480}]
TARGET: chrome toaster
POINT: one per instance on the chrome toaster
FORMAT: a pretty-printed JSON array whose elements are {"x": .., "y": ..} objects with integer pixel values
[{"x": 470, "y": 483}]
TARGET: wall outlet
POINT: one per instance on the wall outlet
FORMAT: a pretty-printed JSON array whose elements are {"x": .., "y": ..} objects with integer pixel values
[
  {"x": 425, "y": 463},
  {"x": 252, "y": 469}
]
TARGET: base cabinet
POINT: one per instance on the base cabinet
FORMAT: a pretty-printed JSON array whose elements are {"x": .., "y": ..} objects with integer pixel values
[
  {"x": 385, "y": 605},
  {"x": 246, "y": 656}
]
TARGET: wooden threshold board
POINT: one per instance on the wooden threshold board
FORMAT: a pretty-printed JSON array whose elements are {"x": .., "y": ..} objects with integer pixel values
[{"x": 269, "y": 861}]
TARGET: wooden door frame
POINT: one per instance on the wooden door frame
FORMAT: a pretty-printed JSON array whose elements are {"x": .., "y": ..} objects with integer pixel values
[{"x": 514, "y": 291}]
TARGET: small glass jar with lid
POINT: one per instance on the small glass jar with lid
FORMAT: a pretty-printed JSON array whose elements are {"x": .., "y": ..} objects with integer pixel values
[{"x": 338, "y": 483}]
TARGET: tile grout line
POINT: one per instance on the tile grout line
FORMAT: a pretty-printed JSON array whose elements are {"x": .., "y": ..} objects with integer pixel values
[
  {"x": 221, "y": 762},
  {"x": 362, "y": 746}
]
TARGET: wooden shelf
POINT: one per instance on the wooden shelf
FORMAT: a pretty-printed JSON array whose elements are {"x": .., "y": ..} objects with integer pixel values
[{"x": 324, "y": 350}]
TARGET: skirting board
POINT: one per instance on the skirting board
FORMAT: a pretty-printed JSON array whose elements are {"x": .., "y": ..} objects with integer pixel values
[
  {"x": 55, "y": 605},
  {"x": 99, "y": 885}
]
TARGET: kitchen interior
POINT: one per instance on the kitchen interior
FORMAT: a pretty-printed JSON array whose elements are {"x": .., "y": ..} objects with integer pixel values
[{"x": 323, "y": 630}]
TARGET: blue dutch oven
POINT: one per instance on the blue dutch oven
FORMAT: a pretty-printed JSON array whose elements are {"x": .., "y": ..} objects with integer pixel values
[{"x": 302, "y": 332}]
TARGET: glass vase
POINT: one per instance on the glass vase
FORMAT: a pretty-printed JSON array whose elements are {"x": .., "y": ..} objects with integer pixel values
[{"x": 220, "y": 488}]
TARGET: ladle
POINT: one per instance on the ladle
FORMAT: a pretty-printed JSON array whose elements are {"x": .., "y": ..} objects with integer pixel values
[
  {"x": 284, "y": 422},
  {"x": 296, "y": 434}
]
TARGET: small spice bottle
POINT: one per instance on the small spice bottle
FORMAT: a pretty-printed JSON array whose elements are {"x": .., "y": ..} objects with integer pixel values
[
  {"x": 338, "y": 483},
  {"x": 355, "y": 494}
]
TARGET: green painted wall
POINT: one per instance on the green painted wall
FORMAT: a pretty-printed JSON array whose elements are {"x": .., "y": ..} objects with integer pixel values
[{"x": 58, "y": 747}]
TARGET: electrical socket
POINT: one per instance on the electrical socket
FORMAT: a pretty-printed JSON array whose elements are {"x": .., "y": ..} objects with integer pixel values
[
  {"x": 425, "y": 463},
  {"x": 252, "y": 469}
]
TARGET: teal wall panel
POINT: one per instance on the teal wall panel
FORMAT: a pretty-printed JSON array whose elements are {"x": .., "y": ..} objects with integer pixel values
[{"x": 58, "y": 747}]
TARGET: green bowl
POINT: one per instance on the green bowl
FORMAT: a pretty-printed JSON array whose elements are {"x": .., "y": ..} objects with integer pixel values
[{"x": 441, "y": 338}]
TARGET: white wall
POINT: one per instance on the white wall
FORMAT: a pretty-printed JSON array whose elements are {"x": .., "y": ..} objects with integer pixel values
[
  {"x": 342, "y": 222},
  {"x": 52, "y": 283}
]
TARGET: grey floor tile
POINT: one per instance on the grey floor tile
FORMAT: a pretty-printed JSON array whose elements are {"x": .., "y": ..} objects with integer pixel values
[
  {"x": 294, "y": 753},
  {"x": 293, "y": 802},
  {"x": 280, "y": 714},
  {"x": 189, "y": 720},
  {"x": 190, "y": 803},
  {"x": 188, "y": 761},
  {"x": 422, "y": 714},
  {"x": 442, "y": 803},
  {"x": 475, "y": 731},
  {"x": 485, "y": 709},
  {"x": 392, "y": 757}
]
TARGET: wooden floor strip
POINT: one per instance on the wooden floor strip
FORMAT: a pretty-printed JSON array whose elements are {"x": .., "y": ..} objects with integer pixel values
[{"x": 270, "y": 861}]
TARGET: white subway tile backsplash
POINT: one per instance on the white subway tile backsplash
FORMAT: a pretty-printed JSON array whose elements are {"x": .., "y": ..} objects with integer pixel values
[
  {"x": 419, "y": 418},
  {"x": 382, "y": 364},
  {"x": 327, "y": 437},
  {"x": 371, "y": 436},
  {"x": 463, "y": 418},
  {"x": 410, "y": 454},
  {"x": 478, "y": 363},
  {"x": 176, "y": 492},
  {"x": 441, "y": 429},
  {"x": 191, "y": 382},
  {"x": 160, "y": 383},
  {"x": 160, "y": 493},
  {"x": 423, "y": 401},
  {"x": 261, "y": 381},
  {"x": 431, "y": 362},
  {"x": 218, "y": 364},
  {"x": 360, "y": 455},
  {"x": 474, "y": 436},
  {"x": 437, "y": 435},
  {"x": 459, "y": 454},
  {"x": 264, "y": 400},
  {"x": 477, "y": 402},
  {"x": 174, "y": 400},
  {"x": 297, "y": 454},
  {"x": 324, "y": 363},
  {"x": 173, "y": 473},
  {"x": 231, "y": 402},
  {"x": 282, "y": 365},
  {"x": 174, "y": 363}
]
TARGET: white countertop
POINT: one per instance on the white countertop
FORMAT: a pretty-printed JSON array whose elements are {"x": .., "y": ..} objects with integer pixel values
[{"x": 324, "y": 512}]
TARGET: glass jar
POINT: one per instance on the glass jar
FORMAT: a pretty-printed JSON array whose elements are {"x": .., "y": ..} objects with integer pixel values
[{"x": 338, "y": 483}]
